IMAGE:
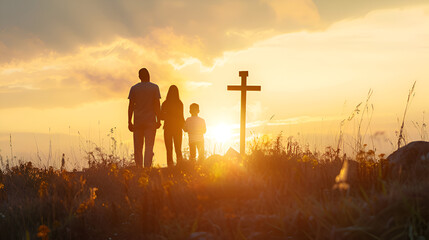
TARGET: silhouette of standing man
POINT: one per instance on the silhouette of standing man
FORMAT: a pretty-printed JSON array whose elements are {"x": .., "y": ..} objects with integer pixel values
[{"x": 144, "y": 103}]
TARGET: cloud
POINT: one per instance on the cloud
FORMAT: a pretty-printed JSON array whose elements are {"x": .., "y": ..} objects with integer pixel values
[
  {"x": 17, "y": 45},
  {"x": 90, "y": 74},
  {"x": 335, "y": 10},
  {"x": 202, "y": 29},
  {"x": 93, "y": 49}
]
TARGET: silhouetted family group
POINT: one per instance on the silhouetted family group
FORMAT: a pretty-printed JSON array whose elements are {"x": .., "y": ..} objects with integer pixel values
[{"x": 145, "y": 106}]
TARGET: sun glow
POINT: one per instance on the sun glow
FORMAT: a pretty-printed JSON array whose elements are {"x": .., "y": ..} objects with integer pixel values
[{"x": 220, "y": 133}]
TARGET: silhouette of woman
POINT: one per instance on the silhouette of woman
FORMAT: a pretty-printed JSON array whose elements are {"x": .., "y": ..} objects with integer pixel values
[{"x": 172, "y": 114}]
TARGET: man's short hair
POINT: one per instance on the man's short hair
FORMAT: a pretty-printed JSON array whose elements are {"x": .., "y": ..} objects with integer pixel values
[
  {"x": 144, "y": 75},
  {"x": 194, "y": 108}
]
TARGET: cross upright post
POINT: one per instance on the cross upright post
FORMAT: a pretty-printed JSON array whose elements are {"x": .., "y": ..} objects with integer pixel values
[{"x": 243, "y": 88}]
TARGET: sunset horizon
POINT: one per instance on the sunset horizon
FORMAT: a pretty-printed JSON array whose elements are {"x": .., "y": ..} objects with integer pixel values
[
  {"x": 312, "y": 75},
  {"x": 206, "y": 120}
]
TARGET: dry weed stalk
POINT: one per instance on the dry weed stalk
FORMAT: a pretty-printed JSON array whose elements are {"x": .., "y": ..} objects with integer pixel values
[{"x": 411, "y": 94}]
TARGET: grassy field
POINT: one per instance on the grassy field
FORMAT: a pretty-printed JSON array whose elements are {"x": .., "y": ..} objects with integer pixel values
[{"x": 279, "y": 191}]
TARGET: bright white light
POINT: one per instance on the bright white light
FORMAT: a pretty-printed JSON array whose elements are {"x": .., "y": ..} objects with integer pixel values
[{"x": 220, "y": 133}]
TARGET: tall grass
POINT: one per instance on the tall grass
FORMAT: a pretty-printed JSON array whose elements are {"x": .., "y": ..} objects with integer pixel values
[
  {"x": 281, "y": 190},
  {"x": 401, "y": 137}
]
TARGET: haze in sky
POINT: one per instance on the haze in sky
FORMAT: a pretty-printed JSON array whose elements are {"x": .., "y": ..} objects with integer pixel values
[{"x": 66, "y": 70}]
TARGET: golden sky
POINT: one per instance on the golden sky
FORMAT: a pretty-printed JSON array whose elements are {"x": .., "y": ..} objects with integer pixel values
[{"x": 66, "y": 67}]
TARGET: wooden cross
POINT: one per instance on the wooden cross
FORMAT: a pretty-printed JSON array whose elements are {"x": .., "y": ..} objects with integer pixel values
[{"x": 243, "y": 88}]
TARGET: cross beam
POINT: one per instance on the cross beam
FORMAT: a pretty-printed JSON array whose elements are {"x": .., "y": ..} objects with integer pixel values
[{"x": 243, "y": 88}]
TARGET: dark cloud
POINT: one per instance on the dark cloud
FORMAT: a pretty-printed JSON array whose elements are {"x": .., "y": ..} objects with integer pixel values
[
  {"x": 334, "y": 10},
  {"x": 78, "y": 36},
  {"x": 18, "y": 45},
  {"x": 96, "y": 74},
  {"x": 218, "y": 25}
]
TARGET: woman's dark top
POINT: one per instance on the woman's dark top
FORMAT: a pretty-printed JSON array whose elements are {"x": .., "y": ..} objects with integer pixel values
[{"x": 172, "y": 114}]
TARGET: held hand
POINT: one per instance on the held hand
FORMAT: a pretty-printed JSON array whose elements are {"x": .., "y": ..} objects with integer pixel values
[
  {"x": 131, "y": 127},
  {"x": 158, "y": 124}
]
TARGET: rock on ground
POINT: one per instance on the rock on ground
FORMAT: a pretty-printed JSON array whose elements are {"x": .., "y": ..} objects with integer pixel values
[{"x": 411, "y": 154}]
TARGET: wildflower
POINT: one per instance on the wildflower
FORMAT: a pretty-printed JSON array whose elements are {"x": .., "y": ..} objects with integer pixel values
[
  {"x": 127, "y": 174},
  {"x": 43, "y": 189},
  {"x": 113, "y": 170},
  {"x": 143, "y": 181},
  {"x": 93, "y": 195},
  {"x": 89, "y": 202},
  {"x": 43, "y": 231}
]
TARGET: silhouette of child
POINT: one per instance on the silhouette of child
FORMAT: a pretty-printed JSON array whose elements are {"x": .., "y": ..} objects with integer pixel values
[{"x": 195, "y": 127}]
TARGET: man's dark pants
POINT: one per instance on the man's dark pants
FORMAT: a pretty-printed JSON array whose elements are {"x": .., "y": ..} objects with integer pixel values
[{"x": 143, "y": 135}]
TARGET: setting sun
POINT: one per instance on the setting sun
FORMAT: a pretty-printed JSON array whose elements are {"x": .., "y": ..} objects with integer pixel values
[
  {"x": 221, "y": 133},
  {"x": 178, "y": 119}
]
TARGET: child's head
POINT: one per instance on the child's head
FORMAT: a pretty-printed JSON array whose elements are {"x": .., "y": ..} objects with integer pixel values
[{"x": 194, "y": 109}]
